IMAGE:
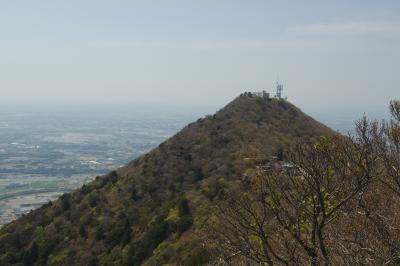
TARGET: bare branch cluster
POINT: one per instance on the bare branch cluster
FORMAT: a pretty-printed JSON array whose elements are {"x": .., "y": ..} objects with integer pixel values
[{"x": 340, "y": 207}]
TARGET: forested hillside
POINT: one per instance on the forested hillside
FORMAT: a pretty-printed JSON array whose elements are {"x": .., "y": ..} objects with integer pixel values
[{"x": 151, "y": 211}]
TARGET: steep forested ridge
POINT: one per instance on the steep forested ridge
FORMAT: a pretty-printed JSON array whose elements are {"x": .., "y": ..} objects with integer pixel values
[{"x": 148, "y": 212}]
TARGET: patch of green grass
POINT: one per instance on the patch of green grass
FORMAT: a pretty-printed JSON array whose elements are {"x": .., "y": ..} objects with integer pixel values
[{"x": 44, "y": 184}]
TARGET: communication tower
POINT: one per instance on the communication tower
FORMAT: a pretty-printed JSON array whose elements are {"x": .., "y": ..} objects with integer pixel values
[{"x": 279, "y": 89}]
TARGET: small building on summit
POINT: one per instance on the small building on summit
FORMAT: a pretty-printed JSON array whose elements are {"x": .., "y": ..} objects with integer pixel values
[
  {"x": 262, "y": 94},
  {"x": 267, "y": 96}
]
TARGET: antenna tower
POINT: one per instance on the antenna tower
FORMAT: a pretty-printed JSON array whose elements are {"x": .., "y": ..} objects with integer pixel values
[{"x": 279, "y": 89}]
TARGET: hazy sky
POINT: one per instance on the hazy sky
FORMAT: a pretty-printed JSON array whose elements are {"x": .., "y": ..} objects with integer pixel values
[{"x": 330, "y": 55}]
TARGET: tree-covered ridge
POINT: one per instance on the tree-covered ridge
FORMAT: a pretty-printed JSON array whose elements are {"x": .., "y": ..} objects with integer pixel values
[{"x": 149, "y": 212}]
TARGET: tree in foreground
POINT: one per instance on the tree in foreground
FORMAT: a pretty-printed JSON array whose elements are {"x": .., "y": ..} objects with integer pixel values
[{"x": 330, "y": 209}]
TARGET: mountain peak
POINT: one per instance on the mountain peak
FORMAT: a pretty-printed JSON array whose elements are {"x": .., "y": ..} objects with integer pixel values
[{"x": 125, "y": 216}]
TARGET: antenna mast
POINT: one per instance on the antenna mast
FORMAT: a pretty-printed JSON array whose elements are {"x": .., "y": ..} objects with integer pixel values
[{"x": 279, "y": 89}]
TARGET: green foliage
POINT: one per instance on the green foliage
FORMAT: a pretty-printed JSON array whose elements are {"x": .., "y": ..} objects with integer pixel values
[
  {"x": 134, "y": 195},
  {"x": 99, "y": 233},
  {"x": 212, "y": 187},
  {"x": 184, "y": 223},
  {"x": 45, "y": 249},
  {"x": 158, "y": 230},
  {"x": 15, "y": 241},
  {"x": 31, "y": 255},
  {"x": 92, "y": 199},
  {"x": 7, "y": 258},
  {"x": 65, "y": 204},
  {"x": 84, "y": 190},
  {"x": 118, "y": 235},
  {"x": 199, "y": 162},
  {"x": 183, "y": 207},
  {"x": 82, "y": 231},
  {"x": 197, "y": 256}
]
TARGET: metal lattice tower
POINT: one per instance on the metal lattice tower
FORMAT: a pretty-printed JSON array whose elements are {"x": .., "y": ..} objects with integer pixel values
[{"x": 279, "y": 89}]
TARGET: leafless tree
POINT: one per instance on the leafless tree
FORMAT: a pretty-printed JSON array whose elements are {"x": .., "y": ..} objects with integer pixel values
[
  {"x": 281, "y": 217},
  {"x": 378, "y": 239},
  {"x": 340, "y": 207}
]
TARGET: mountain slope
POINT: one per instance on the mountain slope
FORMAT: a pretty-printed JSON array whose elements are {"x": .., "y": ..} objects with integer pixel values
[{"x": 147, "y": 212}]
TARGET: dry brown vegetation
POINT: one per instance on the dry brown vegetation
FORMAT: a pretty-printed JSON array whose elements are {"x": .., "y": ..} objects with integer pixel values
[{"x": 341, "y": 206}]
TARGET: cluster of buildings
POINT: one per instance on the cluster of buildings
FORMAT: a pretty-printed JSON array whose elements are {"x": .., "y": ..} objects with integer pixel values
[
  {"x": 278, "y": 166},
  {"x": 266, "y": 95}
]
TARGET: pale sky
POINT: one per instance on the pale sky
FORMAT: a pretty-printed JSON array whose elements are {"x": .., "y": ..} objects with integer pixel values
[{"x": 330, "y": 55}]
